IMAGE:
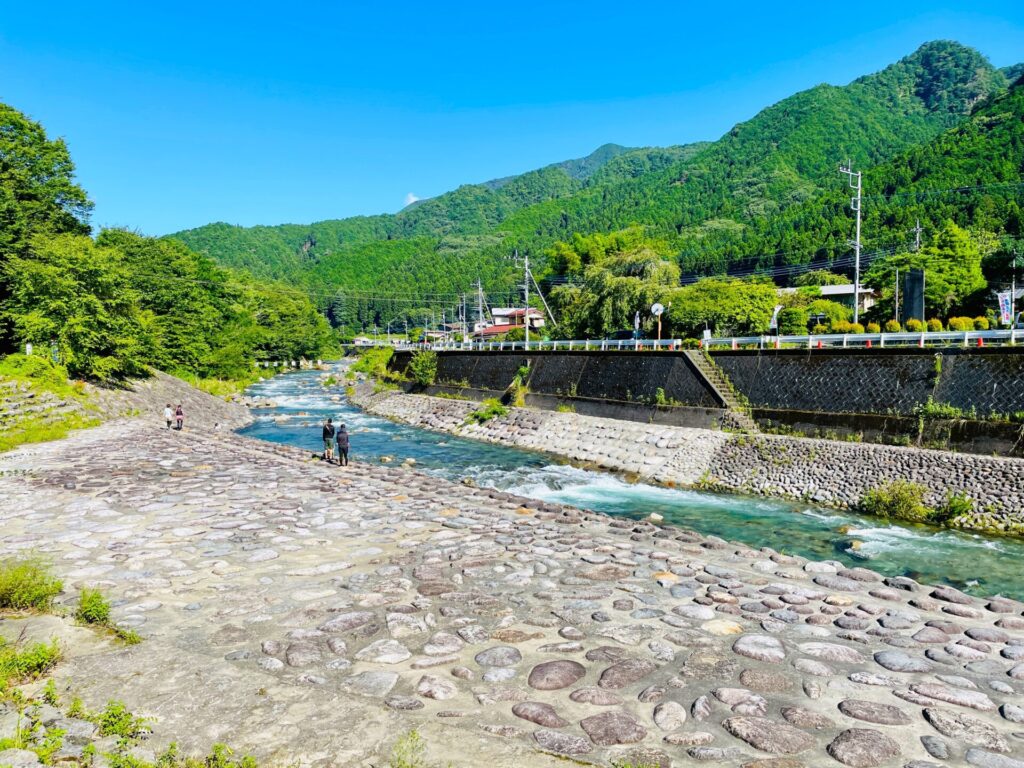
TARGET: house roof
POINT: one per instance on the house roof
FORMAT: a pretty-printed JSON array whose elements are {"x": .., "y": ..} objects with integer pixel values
[{"x": 495, "y": 330}]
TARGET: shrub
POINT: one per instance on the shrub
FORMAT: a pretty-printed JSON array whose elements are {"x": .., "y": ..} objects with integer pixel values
[
  {"x": 873, "y": 328},
  {"x": 819, "y": 329},
  {"x": 960, "y": 324},
  {"x": 409, "y": 752},
  {"x": 27, "y": 584},
  {"x": 955, "y": 505},
  {"x": 116, "y": 720},
  {"x": 914, "y": 325},
  {"x": 934, "y": 325},
  {"x": 793, "y": 321},
  {"x": 489, "y": 409},
  {"x": 899, "y": 500},
  {"x": 373, "y": 361},
  {"x": 981, "y": 324},
  {"x": 893, "y": 326},
  {"x": 19, "y": 663},
  {"x": 93, "y": 608},
  {"x": 423, "y": 367}
]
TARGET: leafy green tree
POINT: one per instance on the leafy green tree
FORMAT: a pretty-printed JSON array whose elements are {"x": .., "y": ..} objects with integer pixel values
[
  {"x": 820, "y": 277},
  {"x": 726, "y": 306},
  {"x": 71, "y": 291}
]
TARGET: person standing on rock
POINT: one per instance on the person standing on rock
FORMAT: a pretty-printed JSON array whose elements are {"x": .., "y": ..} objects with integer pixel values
[
  {"x": 168, "y": 415},
  {"x": 179, "y": 417},
  {"x": 342, "y": 446},
  {"x": 329, "y": 440}
]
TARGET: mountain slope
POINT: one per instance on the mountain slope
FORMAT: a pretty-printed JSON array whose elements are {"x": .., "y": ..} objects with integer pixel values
[{"x": 710, "y": 201}]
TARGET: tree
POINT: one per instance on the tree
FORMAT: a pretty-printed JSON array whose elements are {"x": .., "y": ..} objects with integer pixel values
[
  {"x": 820, "y": 277},
  {"x": 727, "y": 306},
  {"x": 75, "y": 293}
]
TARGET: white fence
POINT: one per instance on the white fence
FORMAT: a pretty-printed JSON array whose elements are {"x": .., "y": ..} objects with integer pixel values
[{"x": 822, "y": 341}]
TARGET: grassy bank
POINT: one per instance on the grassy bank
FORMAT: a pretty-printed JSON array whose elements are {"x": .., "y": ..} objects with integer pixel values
[{"x": 38, "y": 403}]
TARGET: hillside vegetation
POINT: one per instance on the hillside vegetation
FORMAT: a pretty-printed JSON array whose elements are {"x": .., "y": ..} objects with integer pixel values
[
  {"x": 766, "y": 194},
  {"x": 118, "y": 304}
]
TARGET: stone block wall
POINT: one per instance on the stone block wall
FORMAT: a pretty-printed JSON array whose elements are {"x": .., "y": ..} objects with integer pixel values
[{"x": 882, "y": 381}]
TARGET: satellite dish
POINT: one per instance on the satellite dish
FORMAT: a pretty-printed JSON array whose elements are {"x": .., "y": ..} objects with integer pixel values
[{"x": 657, "y": 309}]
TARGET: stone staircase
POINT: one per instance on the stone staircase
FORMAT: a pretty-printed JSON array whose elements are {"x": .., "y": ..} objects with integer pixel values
[{"x": 738, "y": 416}]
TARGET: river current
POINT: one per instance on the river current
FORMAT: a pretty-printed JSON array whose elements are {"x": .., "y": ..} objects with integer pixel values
[{"x": 975, "y": 563}]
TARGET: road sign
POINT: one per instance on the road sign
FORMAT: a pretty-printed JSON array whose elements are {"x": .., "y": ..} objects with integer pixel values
[{"x": 657, "y": 309}]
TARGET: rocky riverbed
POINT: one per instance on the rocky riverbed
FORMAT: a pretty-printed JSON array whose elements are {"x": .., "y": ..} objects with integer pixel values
[{"x": 311, "y": 614}]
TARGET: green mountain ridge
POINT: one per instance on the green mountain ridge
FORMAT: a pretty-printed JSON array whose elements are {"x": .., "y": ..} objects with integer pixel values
[{"x": 713, "y": 203}]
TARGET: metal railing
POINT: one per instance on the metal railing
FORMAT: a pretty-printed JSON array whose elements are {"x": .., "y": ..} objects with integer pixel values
[
  {"x": 869, "y": 340},
  {"x": 812, "y": 341}
]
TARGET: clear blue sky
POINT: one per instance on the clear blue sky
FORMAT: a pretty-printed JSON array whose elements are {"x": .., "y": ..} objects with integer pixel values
[{"x": 183, "y": 113}]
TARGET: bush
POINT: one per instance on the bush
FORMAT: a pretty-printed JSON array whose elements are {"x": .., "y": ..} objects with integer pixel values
[
  {"x": 873, "y": 328},
  {"x": 899, "y": 500},
  {"x": 793, "y": 321},
  {"x": 18, "y": 664},
  {"x": 819, "y": 329},
  {"x": 961, "y": 324},
  {"x": 955, "y": 505},
  {"x": 93, "y": 608},
  {"x": 117, "y": 720},
  {"x": 373, "y": 361},
  {"x": 893, "y": 326},
  {"x": 423, "y": 367},
  {"x": 27, "y": 584},
  {"x": 914, "y": 325},
  {"x": 489, "y": 409},
  {"x": 934, "y": 325},
  {"x": 981, "y": 324}
]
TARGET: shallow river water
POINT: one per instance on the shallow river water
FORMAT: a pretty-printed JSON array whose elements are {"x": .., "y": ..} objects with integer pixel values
[{"x": 975, "y": 563}]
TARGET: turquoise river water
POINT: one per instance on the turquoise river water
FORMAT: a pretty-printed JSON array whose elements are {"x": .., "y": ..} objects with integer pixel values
[{"x": 978, "y": 564}]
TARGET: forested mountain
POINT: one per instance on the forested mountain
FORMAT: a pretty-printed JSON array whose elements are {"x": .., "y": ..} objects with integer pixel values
[
  {"x": 116, "y": 305},
  {"x": 769, "y": 186}
]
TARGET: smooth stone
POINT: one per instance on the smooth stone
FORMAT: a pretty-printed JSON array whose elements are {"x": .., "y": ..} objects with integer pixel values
[
  {"x": 935, "y": 747},
  {"x": 539, "y": 713},
  {"x": 561, "y": 743},
  {"x": 984, "y": 759},
  {"x": 768, "y": 735},
  {"x": 669, "y": 715},
  {"x": 499, "y": 656},
  {"x": 760, "y": 647},
  {"x": 806, "y": 718},
  {"x": 863, "y": 748},
  {"x": 898, "y": 661},
  {"x": 437, "y": 688},
  {"x": 555, "y": 675},
  {"x": 765, "y": 682},
  {"x": 596, "y": 696},
  {"x": 626, "y": 672},
  {"x": 403, "y": 703},
  {"x": 384, "y": 652},
  {"x": 832, "y": 652},
  {"x": 372, "y": 683},
  {"x": 608, "y": 728},
  {"x": 965, "y": 728},
  {"x": 958, "y": 696},
  {"x": 872, "y": 712}
]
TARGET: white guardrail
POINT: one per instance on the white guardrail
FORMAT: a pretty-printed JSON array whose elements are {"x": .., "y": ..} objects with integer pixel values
[{"x": 822, "y": 341}]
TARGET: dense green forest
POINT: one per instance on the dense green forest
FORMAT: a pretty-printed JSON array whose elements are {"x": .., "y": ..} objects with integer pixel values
[
  {"x": 119, "y": 304},
  {"x": 762, "y": 198}
]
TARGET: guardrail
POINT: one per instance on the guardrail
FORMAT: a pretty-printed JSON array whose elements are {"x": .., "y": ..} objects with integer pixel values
[
  {"x": 868, "y": 340},
  {"x": 816, "y": 341}
]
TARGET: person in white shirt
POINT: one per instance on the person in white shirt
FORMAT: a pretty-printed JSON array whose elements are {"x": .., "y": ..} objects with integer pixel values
[{"x": 168, "y": 415}]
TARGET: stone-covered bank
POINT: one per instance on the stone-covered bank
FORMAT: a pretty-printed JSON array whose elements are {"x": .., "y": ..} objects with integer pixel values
[{"x": 823, "y": 471}]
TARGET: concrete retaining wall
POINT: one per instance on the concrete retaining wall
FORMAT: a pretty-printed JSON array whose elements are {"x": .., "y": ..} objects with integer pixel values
[{"x": 826, "y": 472}]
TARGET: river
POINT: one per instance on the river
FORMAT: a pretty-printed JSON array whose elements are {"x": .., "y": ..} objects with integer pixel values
[{"x": 975, "y": 563}]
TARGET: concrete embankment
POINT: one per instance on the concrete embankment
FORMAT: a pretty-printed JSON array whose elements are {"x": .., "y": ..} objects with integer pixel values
[{"x": 823, "y": 471}]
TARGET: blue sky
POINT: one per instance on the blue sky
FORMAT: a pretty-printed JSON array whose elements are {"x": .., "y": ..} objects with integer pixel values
[{"x": 179, "y": 114}]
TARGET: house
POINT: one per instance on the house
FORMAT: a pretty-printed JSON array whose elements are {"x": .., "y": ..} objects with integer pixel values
[
  {"x": 517, "y": 317},
  {"x": 842, "y": 294}
]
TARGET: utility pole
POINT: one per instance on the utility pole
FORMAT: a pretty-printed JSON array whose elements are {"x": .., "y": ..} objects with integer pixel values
[
  {"x": 855, "y": 206},
  {"x": 1013, "y": 290},
  {"x": 917, "y": 236},
  {"x": 526, "y": 298},
  {"x": 479, "y": 301},
  {"x": 897, "y": 303}
]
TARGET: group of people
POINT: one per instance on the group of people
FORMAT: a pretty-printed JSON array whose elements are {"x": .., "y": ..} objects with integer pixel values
[
  {"x": 174, "y": 414},
  {"x": 334, "y": 436}
]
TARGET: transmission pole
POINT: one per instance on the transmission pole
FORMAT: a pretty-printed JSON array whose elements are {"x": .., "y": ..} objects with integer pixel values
[
  {"x": 1013, "y": 290},
  {"x": 855, "y": 183},
  {"x": 526, "y": 298},
  {"x": 917, "y": 236}
]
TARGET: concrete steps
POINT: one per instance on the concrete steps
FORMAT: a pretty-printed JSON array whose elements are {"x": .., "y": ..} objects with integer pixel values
[{"x": 739, "y": 416}]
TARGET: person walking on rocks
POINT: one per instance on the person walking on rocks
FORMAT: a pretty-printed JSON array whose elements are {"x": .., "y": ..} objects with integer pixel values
[
  {"x": 342, "y": 446},
  {"x": 168, "y": 415},
  {"x": 329, "y": 440},
  {"x": 179, "y": 417}
]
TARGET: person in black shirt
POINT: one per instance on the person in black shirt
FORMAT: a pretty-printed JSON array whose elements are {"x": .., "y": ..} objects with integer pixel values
[
  {"x": 328, "y": 440},
  {"x": 342, "y": 446}
]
